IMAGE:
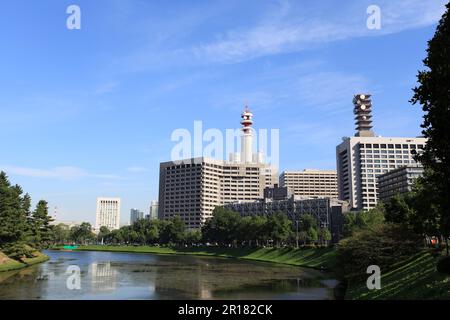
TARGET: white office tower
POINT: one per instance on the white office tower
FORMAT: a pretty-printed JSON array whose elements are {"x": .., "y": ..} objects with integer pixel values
[
  {"x": 153, "y": 212},
  {"x": 108, "y": 213},
  {"x": 362, "y": 158}
]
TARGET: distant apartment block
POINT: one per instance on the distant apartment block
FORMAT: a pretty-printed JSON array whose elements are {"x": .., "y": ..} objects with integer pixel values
[
  {"x": 400, "y": 180},
  {"x": 363, "y": 158},
  {"x": 311, "y": 183},
  {"x": 135, "y": 215},
  {"x": 108, "y": 213}
]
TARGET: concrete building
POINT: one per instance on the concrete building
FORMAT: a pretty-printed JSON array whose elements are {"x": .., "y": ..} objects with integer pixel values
[
  {"x": 108, "y": 213},
  {"x": 328, "y": 212},
  {"x": 192, "y": 188},
  {"x": 364, "y": 157},
  {"x": 153, "y": 211},
  {"x": 311, "y": 183},
  {"x": 135, "y": 215},
  {"x": 400, "y": 180}
]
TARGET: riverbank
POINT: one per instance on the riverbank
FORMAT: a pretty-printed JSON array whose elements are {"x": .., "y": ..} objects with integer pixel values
[
  {"x": 415, "y": 278},
  {"x": 318, "y": 258},
  {"x": 8, "y": 264}
]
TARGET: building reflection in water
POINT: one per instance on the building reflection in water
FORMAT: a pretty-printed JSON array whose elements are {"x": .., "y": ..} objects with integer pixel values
[{"x": 103, "y": 276}]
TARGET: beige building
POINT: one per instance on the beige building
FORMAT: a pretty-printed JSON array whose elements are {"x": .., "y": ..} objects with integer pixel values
[
  {"x": 194, "y": 188},
  {"x": 311, "y": 183},
  {"x": 363, "y": 158},
  {"x": 108, "y": 213}
]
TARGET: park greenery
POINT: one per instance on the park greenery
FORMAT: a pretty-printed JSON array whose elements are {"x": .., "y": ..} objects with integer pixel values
[
  {"x": 22, "y": 231},
  {"x": 225, "y": 229}
]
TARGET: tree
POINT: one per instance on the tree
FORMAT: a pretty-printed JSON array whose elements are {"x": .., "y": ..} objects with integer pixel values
[
  {"x": 103, "y": 234},
  {"x": 223, "y": 227},
  {"x": 82, "y": 233},
  {"x": 308, "y": 228},
  {"x": 61, "y": 233},
  {"x": 433, "y": 94},
  {"x": 41, "y": 231},
  {"x": 278, "y": 227},
  {"x": 324, "y": 236},
  {"x": 13, "y": 211},
  {"x": 354, "y": 221}
]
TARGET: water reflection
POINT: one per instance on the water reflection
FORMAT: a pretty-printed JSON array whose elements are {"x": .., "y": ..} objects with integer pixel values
[{"x": 144, "y": 276}]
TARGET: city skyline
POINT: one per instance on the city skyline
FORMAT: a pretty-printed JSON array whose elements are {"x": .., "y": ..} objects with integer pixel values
[{"x": 82, "y": 139}]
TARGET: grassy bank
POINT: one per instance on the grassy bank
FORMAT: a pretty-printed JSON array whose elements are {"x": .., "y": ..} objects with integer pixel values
[
  {"x": 8, "y": 264},
  {"x": 415, "y": 278},
  {"x": 311, "y": 257}
]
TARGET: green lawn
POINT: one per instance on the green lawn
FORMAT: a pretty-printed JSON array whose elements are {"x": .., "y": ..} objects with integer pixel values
[
  {"x": 8, "y": 264},
  {"x": 415, "y": 278},
  {"x": 310, "y": 257}
]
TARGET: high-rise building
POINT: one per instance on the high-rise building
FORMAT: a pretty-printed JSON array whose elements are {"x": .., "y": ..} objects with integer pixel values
[
  {"x": 192, "y": 188},
  {"x": 108, "y": 213},
  {"x": 153, "y": 212},
  {"x": 135, "y": 215},
  {"x": 311, "y": 183},
  {"x": 400, "y": 180},
  {"x": 362, "y": 158}
]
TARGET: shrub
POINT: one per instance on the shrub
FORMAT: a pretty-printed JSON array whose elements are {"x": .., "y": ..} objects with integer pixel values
[{"x": 383, "y": 245}]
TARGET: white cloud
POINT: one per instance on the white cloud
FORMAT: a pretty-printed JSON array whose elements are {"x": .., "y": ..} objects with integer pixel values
[
  {"x": 288, "y": 32},
  {"x": 61, "y": 173}
]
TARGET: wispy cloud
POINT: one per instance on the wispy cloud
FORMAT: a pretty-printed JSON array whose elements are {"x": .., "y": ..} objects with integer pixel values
[
  {"x": 284, "y": 33},
  {"x": 61, "y": 173}
]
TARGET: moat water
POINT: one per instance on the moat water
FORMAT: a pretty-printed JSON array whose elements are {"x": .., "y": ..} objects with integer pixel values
[{"x": 113, "y": 275}]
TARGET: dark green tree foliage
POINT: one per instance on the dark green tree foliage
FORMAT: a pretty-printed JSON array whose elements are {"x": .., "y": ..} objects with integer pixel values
[
  {"x": 382, "y": 245},
  {"x": 278, "y": 227},
  {"x": 355, "y": 221},
  {"x": 41, "y": 230},
  {"x": 82, "y": 234},
  {"x": 223, "y": 227},
  {"x": 13, "y": 217},
  {"x": 433, "y": 94}
]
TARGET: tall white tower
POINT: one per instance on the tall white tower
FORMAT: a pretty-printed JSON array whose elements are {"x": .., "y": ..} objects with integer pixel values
[{"x": 247, "y": 136}]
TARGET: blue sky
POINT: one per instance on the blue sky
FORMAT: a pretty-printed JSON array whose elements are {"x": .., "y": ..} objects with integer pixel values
[{"x": 90, "y": 112}]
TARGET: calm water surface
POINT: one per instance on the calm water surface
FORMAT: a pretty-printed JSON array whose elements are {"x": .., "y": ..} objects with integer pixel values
[{"x": 112, "y": 275}]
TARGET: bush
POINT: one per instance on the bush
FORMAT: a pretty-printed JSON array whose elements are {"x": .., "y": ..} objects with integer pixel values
[
  {"x": 383, "y": 245},
  {"x": 443, "y": 265}
]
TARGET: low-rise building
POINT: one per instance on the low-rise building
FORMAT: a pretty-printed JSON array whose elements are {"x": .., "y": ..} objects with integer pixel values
[
  {"x": 328, "y": 212},
  {"x": 400, "y": 180}
]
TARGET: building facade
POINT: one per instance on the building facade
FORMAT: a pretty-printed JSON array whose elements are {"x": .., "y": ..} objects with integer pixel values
[
  {"x": 311, "y": 183},
  {"x": 364, "y": 157},
  {"x": 108, "y": 213},
  {"x": 400, "y": 180},
  {"x": 192, "y": 188},
  {"x": 327, "y": 212},
  {"x": 135, "y": 215},
  {"x": 153, "y": 210}
]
